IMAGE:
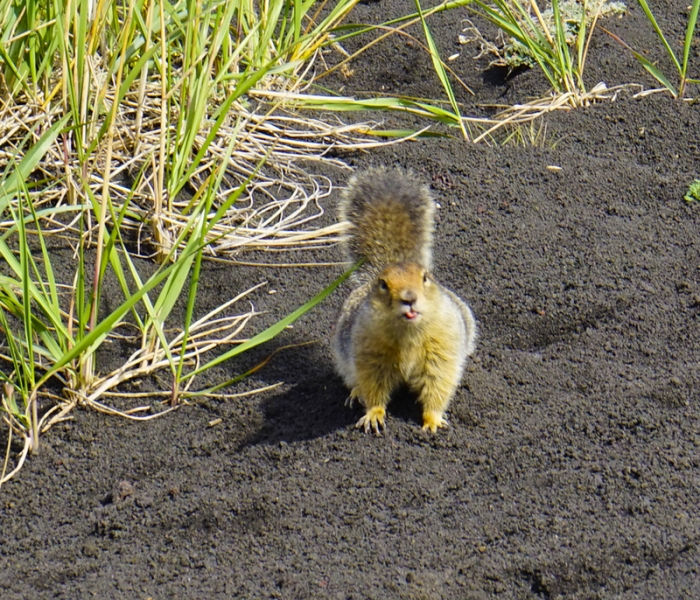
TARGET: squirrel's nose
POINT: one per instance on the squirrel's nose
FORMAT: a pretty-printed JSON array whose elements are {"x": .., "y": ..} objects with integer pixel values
[{"x": 408, "y": 297}]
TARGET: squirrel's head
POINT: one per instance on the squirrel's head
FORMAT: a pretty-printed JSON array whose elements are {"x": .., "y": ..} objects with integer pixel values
[{"x": 404, "y": 290}]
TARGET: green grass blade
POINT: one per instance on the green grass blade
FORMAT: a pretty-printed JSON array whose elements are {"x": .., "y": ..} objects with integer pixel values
[
  {"x": 268, "y": 26},
  {"x": 16, "y": 355},
  {"x": 689, "y": 32},
  {"x": 88, "y": 343},
  {"x": 220, "y": 116},
  {"x": 404, "y": 133},
  {"x": 561, "y": 49},
  {"x": 650, "y": 67},
  {"x": 581, "y": 43},
  {"x": 660, "y": 34},
  {"x": 386, "y": 103},
  {"x": 274, "y": 330},
  {"x": 10, "y": 186},
  {"x": 440, "y": 71},
  {"x": 52, "y": 294},
  {"x": 191, "y": 298},
  {"x": 355, "y": 29},
  {"x": 656, "y": 73},
  {"x": 27, "y": 322},
  {"x": 44, "y": 307},
  {"x": 18, "y": 382}
]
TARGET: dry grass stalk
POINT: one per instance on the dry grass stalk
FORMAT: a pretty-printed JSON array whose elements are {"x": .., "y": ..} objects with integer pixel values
[
  {"x": 276, "y": 211},
  {"x": 524, "y": 113}
]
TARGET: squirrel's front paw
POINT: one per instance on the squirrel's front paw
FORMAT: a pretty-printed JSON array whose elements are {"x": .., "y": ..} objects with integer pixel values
[
  {"x": 432, "y": 419},
  {"x": 374, "y": 419}
]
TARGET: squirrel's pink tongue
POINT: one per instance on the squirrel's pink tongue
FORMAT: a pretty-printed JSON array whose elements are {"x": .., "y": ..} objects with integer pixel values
[{"x": 410, "y": 315}]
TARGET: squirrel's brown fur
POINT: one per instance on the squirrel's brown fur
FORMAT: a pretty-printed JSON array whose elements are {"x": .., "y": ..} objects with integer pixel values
[{"x": 399, "y": 326}]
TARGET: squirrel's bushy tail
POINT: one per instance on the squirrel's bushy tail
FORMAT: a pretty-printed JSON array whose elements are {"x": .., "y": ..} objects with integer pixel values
[{"x": 391, "y": 219}]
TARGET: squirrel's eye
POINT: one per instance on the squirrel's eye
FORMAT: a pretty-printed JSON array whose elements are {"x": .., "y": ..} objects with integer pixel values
[
  {"x": 425, "y": 277},
  {"x": 383, "y": 286}
]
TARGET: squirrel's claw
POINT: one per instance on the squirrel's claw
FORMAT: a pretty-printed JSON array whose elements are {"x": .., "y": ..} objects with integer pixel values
[
  {"x": 373, "y": 419},
  {"x": 354, "y": 396},
  {"x": 432, "y": 419},
  {"x": 350, "y": 400}
]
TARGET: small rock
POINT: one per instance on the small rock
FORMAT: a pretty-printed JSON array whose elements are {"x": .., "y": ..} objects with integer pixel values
[
  {"x": 90, "y": 549},
  {"x": 118, "y": 493},
  {"x": 144, "y": 501},
  {"x": 122, "y": 491}
]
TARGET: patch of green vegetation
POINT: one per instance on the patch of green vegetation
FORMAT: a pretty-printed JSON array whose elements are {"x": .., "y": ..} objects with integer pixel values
[
  {"x": 555, "y": 39},
  {"x": 574, "y": 15},
  {"x": 681, "y": 62},
  {"x": 693, "y": 194}
]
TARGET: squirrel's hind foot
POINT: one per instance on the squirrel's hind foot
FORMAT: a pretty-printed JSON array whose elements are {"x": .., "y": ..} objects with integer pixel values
[
  {"x": 373, "y": 419},
  {"x": 432, "y": 419}
]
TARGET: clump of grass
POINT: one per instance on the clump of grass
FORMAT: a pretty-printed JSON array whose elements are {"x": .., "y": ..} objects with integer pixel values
[
  {"x": 555, "y": 39},
  {"x": 681, "y": 63},
  {"x": 532, "y": 134},
  {"x": 53, "y": 332},
  {"x": 693, "y": 194},
  {"x": 133, "y": 122},
  {"x": 513, "y": 53}
]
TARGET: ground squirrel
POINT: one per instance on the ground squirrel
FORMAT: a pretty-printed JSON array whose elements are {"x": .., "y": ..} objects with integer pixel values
[{"x": 399, "y": 325}]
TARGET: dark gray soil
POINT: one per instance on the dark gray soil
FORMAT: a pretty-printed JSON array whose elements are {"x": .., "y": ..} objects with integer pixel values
[{"x": 572, "y": 465}]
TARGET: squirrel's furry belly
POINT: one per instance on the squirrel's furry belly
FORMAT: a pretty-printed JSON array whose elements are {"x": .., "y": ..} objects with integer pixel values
[{"x": 404, "y": 352}]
